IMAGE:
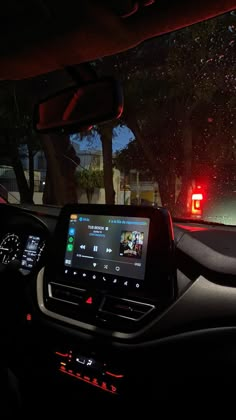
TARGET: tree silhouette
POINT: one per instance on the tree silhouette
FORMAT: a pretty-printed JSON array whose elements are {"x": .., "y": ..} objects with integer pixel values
[{"x": 170, "y": 83}]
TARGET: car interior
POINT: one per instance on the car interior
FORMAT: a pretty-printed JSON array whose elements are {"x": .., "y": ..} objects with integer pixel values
[{"x": 96, "y": 315}]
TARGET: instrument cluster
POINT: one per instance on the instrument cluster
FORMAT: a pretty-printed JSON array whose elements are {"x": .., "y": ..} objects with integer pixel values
[{"x": 26, "y": 248}]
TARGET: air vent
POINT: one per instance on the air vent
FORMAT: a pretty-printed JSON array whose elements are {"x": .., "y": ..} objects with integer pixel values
[
  {"x": 67, "y": 294},
  {"x": 125, "y": 308}
]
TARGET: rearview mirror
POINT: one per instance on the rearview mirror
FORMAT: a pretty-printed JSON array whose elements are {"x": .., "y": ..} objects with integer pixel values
[{"x": 79, "y": 107}]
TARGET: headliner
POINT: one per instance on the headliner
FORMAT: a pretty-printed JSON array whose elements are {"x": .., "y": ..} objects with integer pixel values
[{"x": 40, "y": 36}]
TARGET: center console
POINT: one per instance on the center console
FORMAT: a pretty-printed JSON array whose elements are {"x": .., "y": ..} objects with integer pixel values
[{"x": 111, "y": 268}]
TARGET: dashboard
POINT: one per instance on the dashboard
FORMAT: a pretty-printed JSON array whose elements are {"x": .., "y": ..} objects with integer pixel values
[{"x": 119, "y": 296}]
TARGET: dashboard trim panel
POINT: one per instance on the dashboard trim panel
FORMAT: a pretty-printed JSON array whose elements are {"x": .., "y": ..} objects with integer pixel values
[
  {"x": 76, "y": 323},
  {"x": 203, "y": 300}
]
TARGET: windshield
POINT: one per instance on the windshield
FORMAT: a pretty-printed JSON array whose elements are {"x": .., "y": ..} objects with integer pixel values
[{"x": 174, "y": 145}]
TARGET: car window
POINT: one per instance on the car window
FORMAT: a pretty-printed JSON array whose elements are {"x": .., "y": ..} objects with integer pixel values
[{"x": 175, "y": 141}]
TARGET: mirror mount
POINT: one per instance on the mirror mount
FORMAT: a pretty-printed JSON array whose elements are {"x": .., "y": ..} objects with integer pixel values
[{"x": 80, "y": 74}]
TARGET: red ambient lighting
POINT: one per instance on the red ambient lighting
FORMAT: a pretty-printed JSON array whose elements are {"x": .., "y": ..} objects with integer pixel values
[
  {"x": 114, "y": 375},
  {"x": 91, "y": 381},
  {"x": 61, "y": 354}
]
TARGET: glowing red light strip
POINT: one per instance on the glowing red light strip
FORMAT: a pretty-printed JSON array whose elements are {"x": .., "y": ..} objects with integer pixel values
[
  {"x": 113, "y": 374},
  {"x": 88, "y": 382},
  {"x": 61, "y": 354},
  {"x": 134, "y": 10}
]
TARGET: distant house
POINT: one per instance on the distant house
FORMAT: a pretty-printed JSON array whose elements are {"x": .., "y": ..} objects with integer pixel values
[
  {"x": 93, "y": 159},
  {"x": 90, "y": 159}
]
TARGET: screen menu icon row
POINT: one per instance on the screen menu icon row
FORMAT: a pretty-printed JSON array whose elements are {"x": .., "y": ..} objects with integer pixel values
[{"x": 105, "y": 278}]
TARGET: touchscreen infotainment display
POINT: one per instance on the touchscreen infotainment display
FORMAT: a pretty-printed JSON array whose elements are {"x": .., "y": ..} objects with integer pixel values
[{"x": 108, "y": 244}]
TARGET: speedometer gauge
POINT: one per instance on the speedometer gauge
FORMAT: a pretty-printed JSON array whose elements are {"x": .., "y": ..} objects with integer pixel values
[{"x": 9, "y": 248}]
